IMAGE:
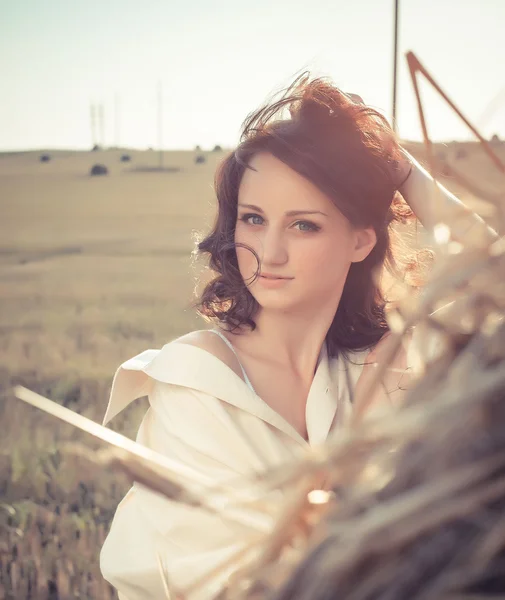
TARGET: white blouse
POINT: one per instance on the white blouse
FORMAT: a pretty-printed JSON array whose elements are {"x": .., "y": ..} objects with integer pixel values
[{"x": 203, "y": 415}]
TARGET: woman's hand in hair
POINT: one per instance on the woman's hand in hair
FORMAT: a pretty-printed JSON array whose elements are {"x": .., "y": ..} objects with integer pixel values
[{"x": 402, "y": 170}]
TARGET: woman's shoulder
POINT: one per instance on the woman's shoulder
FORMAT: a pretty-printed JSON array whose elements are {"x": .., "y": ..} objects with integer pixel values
[
  {"x": 180, "y": 349},
  {"x": 213, "y": 343},
  {"x": 199, "y": 361}
]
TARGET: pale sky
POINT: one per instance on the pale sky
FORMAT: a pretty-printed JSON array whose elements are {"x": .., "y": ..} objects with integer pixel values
[{"x": 220, "y": 59}]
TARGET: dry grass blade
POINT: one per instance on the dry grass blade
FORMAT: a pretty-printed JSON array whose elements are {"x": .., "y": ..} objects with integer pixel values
[
  {"x": 244, "y": 501},
  {"x": 157, "y": 464},
  {"x": 154, "y": 470}
]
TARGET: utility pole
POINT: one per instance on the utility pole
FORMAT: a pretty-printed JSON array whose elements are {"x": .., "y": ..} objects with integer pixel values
[
  {"x": 117, "y": 139},
  {"x": 395, "y": 62},
  {"x": 160, "y": 124},
  {"x": 101, "y": 118},
  {"x": 92, "y": 119}
]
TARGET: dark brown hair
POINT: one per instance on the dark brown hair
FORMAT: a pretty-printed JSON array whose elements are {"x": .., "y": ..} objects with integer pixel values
[{"x": 349, "y": 152}]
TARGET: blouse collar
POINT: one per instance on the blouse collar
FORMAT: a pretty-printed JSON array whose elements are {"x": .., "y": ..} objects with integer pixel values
[{"x": 191, "y": 367}]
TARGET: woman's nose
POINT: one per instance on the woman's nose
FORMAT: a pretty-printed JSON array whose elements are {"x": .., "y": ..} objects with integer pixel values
[{"x": 274, "y": 249}]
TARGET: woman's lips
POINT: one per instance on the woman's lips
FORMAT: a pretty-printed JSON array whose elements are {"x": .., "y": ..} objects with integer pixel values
[
  {"x": 271, "y": 276},
  {"x": 273, "y": 281}
]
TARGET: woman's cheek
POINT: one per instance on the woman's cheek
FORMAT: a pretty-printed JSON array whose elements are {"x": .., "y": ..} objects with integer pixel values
[
  {"x": 324, "y": 262},
  {"x": 315, "y": 253}
]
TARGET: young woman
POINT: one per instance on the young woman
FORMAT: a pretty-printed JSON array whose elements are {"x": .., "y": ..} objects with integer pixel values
[{"x": 305, "y": 208}]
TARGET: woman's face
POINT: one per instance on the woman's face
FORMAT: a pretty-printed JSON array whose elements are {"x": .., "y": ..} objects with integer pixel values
[{"x": 304, "y": 243}]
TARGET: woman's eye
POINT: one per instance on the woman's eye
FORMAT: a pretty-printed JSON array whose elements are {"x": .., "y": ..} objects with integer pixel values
[
  {"x": 252, "y": 219},
  {"x": 307, "y": 226}
]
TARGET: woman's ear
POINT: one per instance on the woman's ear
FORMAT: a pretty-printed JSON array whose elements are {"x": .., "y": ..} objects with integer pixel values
[{"x": 365, "y": 240}]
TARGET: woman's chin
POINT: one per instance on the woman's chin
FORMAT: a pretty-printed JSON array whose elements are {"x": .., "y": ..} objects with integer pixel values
[{"x": 277, "y": 300}]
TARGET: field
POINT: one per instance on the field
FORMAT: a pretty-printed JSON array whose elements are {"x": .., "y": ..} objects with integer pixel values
[{"x": 93, "y": 270}]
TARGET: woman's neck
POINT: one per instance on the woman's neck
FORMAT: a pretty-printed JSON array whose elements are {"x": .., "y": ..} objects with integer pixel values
[{"x": 288, "y": 339}]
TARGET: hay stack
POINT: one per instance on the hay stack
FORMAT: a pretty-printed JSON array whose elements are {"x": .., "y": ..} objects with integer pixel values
[{"x": 98, "y": 169}]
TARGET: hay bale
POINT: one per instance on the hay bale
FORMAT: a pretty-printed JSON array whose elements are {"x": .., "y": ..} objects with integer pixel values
[
  {"x": 125, "y": 158},
  {"x": 45, "y": 157},
  {"x": 200, "y": 159},
  {"x": 99, "y": 170}
]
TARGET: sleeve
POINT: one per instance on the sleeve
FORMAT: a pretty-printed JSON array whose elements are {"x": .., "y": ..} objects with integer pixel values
[
  {"x": 194, "y": 546},
  {"x": 434, "y": 205}
]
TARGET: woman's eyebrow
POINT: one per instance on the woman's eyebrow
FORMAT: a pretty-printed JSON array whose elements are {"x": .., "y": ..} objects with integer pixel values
[
  {"x": 294, "y": 213},
  {"x": 251, "y": 206},
  {"x": 290, "y": 213}
]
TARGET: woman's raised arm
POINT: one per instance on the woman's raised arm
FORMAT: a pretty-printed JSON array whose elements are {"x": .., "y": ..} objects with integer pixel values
[{"x": 431, "y": 202}]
